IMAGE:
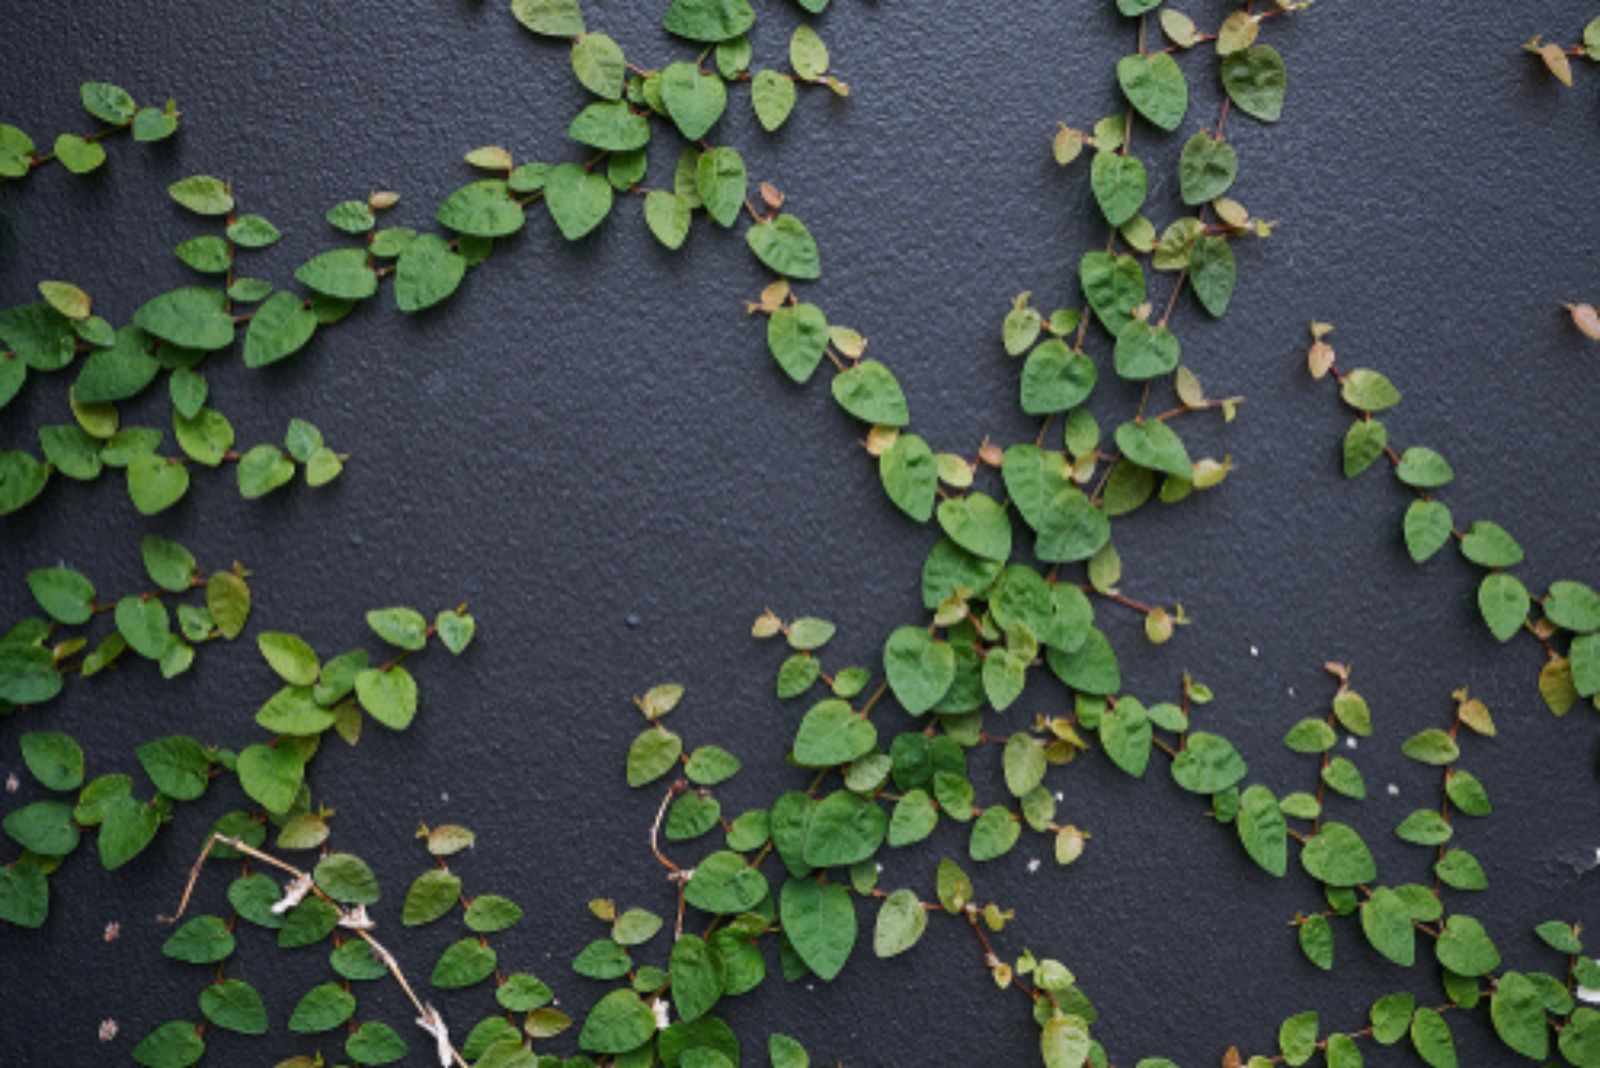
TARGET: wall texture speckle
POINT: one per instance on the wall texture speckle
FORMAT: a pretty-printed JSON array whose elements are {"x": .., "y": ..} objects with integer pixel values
[{"x": 591, "y": 446}]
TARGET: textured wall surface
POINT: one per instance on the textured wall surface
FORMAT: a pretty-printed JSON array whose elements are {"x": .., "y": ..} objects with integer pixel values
[{"x": 591, "y": 446}]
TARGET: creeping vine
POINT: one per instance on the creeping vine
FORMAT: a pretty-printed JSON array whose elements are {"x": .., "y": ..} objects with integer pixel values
[{"x": 793, "y": 873}]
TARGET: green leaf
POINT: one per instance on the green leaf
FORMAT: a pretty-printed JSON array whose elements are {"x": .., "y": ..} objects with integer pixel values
[
  {"x": 1427, "y": 528},
  {"x": 709, "y": 765},
  {"x": 145, "y": 625},
  {"x": 114, "y": 374},
  {"x": 289, "y": 656},
  {"x": 1488, "y": 545},
  {"x": 376, "y": 1043},
  {"x": 578, "y": 199},
  {"x": 202, "y": 940},
  {"x": 1585, "y": 661},
  {"x": 773, "y": 97},
  {"x": 346, "y": 878},
  {"x": 202, "y": 194},
  {"x": 1580, "y": 1039},
  {"x": 785, "y": 1052},
  {"x": 390, "y": 697},
  {"x": 1467, "y": 793},
  {"x": 1054, "y": 378},
  {"x": 698, "y": 976},
  {"x": 1155, "y": 86},
  {"x": 156, "y": 483},
  {"x": 1573, "y": 606},
  {"x": 913, "y": 819},
  {"x": 1155, "y": 445},
  {"x": 919, "y": 669},
  {"x": 262, "y": 470},
  {"x": 280, "y": 328},
  {"x": 322, "y": 1008},
  {"x": 551, "y": 18},
  {"x": 44, "y": 827},
  {"x": 491, "y": 912},
  {"x": 22, "y": 478},
  {"x": 234, "y": 1005},
  {"x": 1297, "y": 1038},
  {"x": 191, "y": 317},
  {"x": 108, "y": 103},
  {"x": 1262, "y": 829},
  {"x": 1465, "y": 948},
  {"x": 176, "y": 1044},
  {"x": 463, "y": 964},
  {"x": 1337, "y": 855},
  {"x": 1092, "y": 668},
  {"x": 1206, "y": 169},
  {"x": 1504, "y": 602},
  {"x": 1255, "y": 81},
  {"x": 1113, "y": 286},
  {"x": 1119, "y": 185},
  {"x": 832, "y": 733},
  {"x": 65, "y": 595},
  {"x": 1125, "y": 735},
  {"x": 724, "y": 884},
  {"x": 1423, "y": 468},
  {"x": 844, "y": 830},
  {"x": 994, "y": 833},
  {"x": 1518, "y": 1012},
  {"x": 432, "y": 895},
  {"x": 179, "y": 766},
  {"x": 976, "y": 523},
  {"x": 1064, "y": 1043},
  {"x": 1461, "y": 870},
  {"x": 598, "y": 63},
  {"x": 870, "y": 392},
  {"x": 1387, "y": 924},
  {"x": 610, "y": 126},
  {"x": 427, "y": 272},
  {"x": 910, "y": 476},
  {"x": 341, "y": 273},
  {"x": 1368, "y": 391},
  {"x": 1316, "y": 941},
  {"x": 1431, "y": 746},
  {"x": 271, "y": 775},
  {"x": 720, "y": 182},
  {"x": 709, "y": 20},
  {"x": 785, "y": 246},
  {"x": 484, "y": 208},
  {"x": 1344, "y": 778},
  {"x": 653, "y": 753},
  {"x": 820, "y": 922},
  {"x": 901, "y": 921},
  {"x": 1213, "y": 274},
  {"x": 228, "y": 601},
  {"x": 54, "y": 759},
  {"x": 667, "y": 215},
  {"x": 694, "y": 100},
  {"x": 619, "y": 1022},
  {"x": 404, "y": 628}
]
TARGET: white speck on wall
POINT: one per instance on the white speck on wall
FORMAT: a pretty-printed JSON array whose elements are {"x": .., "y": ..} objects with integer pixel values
[
  {"x": 1254, "y": 651},
  {"x": 1349, "y": 743},
  {"x": 1394, "y": 791},
  {"x": 108, "y": 1029},
  {"x": 445, "y": 796},
  {"x": 13, "y": 784},
  {"x": 1060, "y": 797},
  {"x": 659, "y": 1007},
  {"x": 1033, "y": 865},
  {"x": 1291, "y": 691}
]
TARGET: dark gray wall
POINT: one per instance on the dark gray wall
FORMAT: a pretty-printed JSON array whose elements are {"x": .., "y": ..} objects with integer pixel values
[{"x": 593, "y": 434}]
